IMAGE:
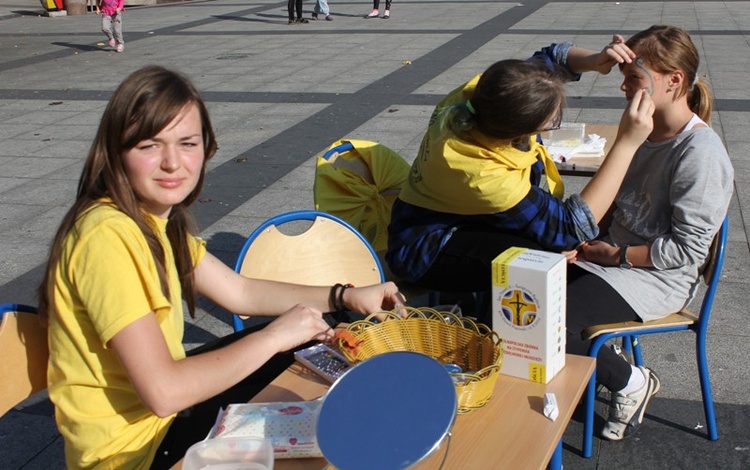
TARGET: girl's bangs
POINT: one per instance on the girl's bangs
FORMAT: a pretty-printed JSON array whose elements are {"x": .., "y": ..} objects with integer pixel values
[{"x": 150, "y": 119}]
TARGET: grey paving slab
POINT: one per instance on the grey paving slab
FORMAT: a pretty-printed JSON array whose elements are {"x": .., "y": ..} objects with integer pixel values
[
  {"x": 279, "y": 95},
  {"x": 673, "y": 428}
]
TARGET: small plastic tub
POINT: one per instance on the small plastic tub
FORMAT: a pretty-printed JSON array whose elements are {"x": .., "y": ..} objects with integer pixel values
[
  {"x": 570, "y": 134},
  {"x": 230, "y": 453}
]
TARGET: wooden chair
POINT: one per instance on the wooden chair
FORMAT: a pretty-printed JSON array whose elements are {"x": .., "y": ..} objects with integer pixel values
[
  {"x": 683, "y": 320},
  {"x": 24, "y": 353},
  {"x": 328, "y": 252}
]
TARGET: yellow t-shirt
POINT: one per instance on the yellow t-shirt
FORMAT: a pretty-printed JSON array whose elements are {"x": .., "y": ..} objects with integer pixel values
[
  {"x": 107, "y": 279},
  {"x": 473, "y": 174}
]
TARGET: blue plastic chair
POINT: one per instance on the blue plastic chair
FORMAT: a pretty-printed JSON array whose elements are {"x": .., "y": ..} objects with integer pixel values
[
  {"x": 5, "y": 308},
  {"x": 24, "y": 352},
  {"x": 683, "y": 320},
  {"x": 330, "y": 251}
]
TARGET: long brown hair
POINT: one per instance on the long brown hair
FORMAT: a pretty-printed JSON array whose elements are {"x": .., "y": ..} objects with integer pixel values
[
  {"x": 666, "y": 49},
  {"x": 513, "y": 98},
  {"x": 141, "y": 107}
]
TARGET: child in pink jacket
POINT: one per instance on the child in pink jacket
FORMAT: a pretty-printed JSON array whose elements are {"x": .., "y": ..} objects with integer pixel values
[{"x": 111, "y": 11}]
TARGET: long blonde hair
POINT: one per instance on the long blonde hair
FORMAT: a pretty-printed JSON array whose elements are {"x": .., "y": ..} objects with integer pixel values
[
  {"x": 141, "y": 107},
  {"x": 669, "y": 48}
]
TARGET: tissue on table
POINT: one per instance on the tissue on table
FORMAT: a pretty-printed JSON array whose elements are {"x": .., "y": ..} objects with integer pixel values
[
  {"x": 288, "y": 426},
  {"x": 592, "y": 146}
]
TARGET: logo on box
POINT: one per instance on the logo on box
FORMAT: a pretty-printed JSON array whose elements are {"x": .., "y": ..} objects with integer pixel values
[{"x": 519, "y": 308}]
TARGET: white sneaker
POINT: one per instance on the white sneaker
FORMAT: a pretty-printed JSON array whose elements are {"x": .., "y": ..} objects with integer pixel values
[{"x": 626, "y": 411}]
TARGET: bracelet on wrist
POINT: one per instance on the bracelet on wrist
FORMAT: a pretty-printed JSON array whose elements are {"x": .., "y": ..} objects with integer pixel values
[
  {"x": 336, "y": 296},
  {"x": 333, "y": 295},
  {"x": 341, "y": 306}
]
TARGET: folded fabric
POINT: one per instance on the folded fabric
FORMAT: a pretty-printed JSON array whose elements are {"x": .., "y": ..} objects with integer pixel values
[{"x": 360, "y": 187}]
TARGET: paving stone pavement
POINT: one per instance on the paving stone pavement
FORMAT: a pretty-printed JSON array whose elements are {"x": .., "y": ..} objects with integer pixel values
[{"x": 279, "y": 94}]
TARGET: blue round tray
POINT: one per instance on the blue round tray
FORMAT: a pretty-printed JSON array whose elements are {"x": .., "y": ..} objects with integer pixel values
[{"x": 390, "y": 411}]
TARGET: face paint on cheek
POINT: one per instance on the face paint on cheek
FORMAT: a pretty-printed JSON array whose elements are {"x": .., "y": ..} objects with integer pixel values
[{"x": 639, "y": 63}]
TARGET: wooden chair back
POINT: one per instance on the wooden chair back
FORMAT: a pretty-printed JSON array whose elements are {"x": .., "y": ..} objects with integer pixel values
[
  {"x": 23, "y": 356},
  {"x": 326, "y": 253},
  {"x": 330, "y": 251}
]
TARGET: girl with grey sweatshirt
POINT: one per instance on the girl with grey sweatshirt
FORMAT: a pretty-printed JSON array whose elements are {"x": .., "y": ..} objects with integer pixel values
[{"x": 646, "y": 261}]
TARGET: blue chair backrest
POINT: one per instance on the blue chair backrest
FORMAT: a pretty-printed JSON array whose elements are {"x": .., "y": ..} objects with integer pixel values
[
  {"x": 345, "y": 147},
  {"x": 5, "y": 308},
  {"x": 716, "y": 265}
]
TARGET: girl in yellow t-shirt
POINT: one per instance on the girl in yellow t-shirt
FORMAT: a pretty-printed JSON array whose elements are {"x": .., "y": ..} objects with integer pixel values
[{"x": 121, "y": 263}]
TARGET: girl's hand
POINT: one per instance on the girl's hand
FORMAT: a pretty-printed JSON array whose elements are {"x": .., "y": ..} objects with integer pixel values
[
  {"x": 601, "y": 253},
  {"x": 571, "y": 256},
  {"x": 297, "y": 326},
  {"x": 371, "y": 299},
  {"x": 616, "y": 52},
  {"x": 637, "y": 121}
]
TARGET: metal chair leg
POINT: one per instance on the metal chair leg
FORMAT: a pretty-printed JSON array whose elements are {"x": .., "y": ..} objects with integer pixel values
[{"x": 708, "y": 401}]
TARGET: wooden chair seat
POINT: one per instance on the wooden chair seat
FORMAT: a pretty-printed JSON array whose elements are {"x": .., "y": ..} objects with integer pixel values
[{"x": 681, "y": 318}]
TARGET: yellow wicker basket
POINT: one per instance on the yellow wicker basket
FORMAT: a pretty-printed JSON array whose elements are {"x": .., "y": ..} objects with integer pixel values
[{"x": 441, "y": 335}]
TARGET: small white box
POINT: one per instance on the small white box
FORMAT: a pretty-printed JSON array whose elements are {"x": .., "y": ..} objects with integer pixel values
[{"x": 528, "y": 312}]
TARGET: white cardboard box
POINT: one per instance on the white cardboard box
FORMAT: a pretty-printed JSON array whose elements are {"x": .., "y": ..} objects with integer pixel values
[{"x": 528, "y": 312}]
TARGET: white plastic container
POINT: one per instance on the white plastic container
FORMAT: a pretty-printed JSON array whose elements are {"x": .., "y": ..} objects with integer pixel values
[
  {"x": 230, "y": 453},
  {"x": 570, "y": 134}
]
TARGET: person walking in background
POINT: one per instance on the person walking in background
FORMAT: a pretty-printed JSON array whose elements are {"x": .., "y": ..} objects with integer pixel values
[
  {"x": 295, "y": 6},
  {"x": 111, "y": 11},
  {"x": 376, "y": 7},
  {"x": 321, "y": 6}
]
